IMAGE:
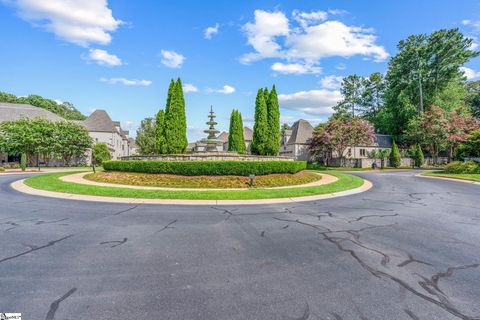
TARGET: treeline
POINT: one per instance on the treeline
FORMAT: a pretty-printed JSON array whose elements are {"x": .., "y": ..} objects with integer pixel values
[
  {"x": 424, "y": 98},
  {"x": 65, "y": 110}
]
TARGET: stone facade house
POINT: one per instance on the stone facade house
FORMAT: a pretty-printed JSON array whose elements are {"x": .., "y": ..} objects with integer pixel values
[{"x": 294, "y": 142}]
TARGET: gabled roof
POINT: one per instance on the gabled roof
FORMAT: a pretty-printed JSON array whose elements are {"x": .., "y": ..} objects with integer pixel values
[
  {"x": 17, "y": 111},
  {"x": 223, "y": 136},
  {"x": 99, "y": 121},
  {"x": 302, "y": 130},
  {"x": 247, "y": 134}
]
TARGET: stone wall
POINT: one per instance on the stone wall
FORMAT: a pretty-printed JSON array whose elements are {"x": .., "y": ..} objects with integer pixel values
[
  {"x": 367, "y": 163},
  {"x": 214, "y": 156}
]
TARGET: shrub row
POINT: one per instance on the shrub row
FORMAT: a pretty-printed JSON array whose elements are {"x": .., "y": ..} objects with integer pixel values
[
  {"x": 197, "y": 168},
  {"x": 462, "y": 167}
]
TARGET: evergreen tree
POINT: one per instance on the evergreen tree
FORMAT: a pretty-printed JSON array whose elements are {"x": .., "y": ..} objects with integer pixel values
[
  {"x": 161, "y": 142},
  {"x": 175, "y": 120},
  {"x": 260, "y": 128},
  {"x": 395, "y": 156},
  {"x": 273, "y": 123},
  {"x": 23, "y": 161},
  {"x": 418, "y": 156},
  {"x": 171, "y": 89},
  {"x": 236, "y": 141}
]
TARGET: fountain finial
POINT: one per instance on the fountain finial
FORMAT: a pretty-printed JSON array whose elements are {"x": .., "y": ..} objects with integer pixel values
[{"x": 211, "y": 139}]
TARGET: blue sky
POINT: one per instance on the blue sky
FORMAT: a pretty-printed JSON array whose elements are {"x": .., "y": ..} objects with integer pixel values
[{"x": 120, "y": 55}]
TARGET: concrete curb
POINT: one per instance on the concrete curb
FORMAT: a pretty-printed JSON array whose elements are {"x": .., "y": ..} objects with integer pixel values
[
  {"x": 79, "y": 178},
  {"x": 448, "y": 179},
  {"x": 20, "y": 186}
]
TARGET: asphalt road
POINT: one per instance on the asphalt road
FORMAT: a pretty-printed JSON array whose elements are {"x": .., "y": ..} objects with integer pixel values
[{"x": 409, "y": 248}]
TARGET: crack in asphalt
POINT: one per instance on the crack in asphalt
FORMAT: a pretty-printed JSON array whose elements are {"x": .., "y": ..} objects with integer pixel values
[
  {"x": 117, "y": 242},
  {"x": 167, "y": 226},
  {"x": 412, "y": 259},
  {"x": 35, "y": 248},
  {"x": 306, "y": 313},
  {"x": 373, "y": 216},
  {"x": 126, "y": 210},
  {"x": 429, "y": 285},
  {"x": 47, "y": 222},
  {"x": 411, "y": 314},
  {"x": 55, "y": 304}
]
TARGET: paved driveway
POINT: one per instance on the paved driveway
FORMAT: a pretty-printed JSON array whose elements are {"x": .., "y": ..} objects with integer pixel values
[{"x": 409, "y": 248}]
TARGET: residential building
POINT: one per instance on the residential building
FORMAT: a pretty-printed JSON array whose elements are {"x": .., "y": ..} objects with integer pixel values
[{"x": 99, "y": 125}]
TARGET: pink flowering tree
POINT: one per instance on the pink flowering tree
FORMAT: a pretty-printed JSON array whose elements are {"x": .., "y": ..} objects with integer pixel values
[
  {"x": 460, "y": 125},
  {"x": 338, "y": 134}
]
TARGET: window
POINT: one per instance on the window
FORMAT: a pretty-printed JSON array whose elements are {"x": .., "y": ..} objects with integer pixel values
[{"x": 363, "y": 152}]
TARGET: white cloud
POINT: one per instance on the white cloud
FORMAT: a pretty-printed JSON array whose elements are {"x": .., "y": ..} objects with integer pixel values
[
  {"x": 78, "y": 22},
  {"x": 262, "y": 34},
  {"x": 188, "y": 87},
  {"x": 308, "y": 39},
  {"x": 102, "y": 57},
  {"x": 470, "y": 73},
  {"x": 316, "y": 102},
  {"x": 471, "y": 23},
  {"x": 331, "y": 82},
  {"x": 295, "y": 68},
  {"x": 127, "y": 82},
  {"x": 341, "y": 66},
  {"x": 172, "y": 59},
  {"x": 307, "y": 18},
  {"x": 210, "y": 31},
  {"x": 225, "y": 90}
]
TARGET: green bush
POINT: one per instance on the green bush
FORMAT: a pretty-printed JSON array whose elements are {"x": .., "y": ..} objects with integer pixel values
[
  {"x": 2, "y": 169},
  {"x": 23, "y": 161},
  {"x": 418, "y": 157},
  {"x": 395, "y": 156},
  {"x": 215, "y": 168},
  {"x": 462, "y": 167},
  {"x": 316, "y": 166},
  {"x": 100, "y": 153}
]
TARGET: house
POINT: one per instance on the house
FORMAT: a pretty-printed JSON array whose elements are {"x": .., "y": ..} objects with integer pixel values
[
  {"x": 294, "y": 142},
  {"x": 247, "y": 136},
  {"x": 103, "y": 129},
  {"x": 16, "y": 111},
  {"x": 99, "y": 125}
]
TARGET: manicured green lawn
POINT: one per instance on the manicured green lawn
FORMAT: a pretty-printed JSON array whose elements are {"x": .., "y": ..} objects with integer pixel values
[
  {"x": 51, "y": 182},
  {"x": 462, "y": 176}
]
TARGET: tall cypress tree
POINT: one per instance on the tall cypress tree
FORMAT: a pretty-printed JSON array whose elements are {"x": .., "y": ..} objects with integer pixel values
[
  {"x": 273, "y": 123},
  {"x": 161, "y": 142},
  {"x": 171, "y": 89},
  {"x": 260, "y": 127},
  {"x": 175, "y": 120},
  {"x": 236, "y": 141}
]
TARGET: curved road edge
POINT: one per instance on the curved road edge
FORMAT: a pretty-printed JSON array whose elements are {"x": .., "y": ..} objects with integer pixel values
[
  {"x": 448, "y": 179},
  {"x": 20, "y": 186}
]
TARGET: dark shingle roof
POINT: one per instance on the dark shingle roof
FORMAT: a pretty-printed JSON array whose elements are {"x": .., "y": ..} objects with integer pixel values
[
  {"x": 99, "y": 121},
  {"x": 302, "y": 130},
  {"x": 17, "y": 111},
  {"x": 383, "y": 140}
]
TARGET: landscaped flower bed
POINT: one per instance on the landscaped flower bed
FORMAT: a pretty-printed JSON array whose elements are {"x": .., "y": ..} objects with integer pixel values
[
  {"x": 177, "y": 181},
  {"x": 214, "y": 168}
]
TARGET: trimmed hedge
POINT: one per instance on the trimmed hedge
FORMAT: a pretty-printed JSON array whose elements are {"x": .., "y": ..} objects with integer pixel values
[
  {"x": 198, "y": 168},
  {"x": 462, "y": 167}
]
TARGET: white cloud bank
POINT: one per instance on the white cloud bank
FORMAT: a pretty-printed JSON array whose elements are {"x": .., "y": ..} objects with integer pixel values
[
  {"x": 307, "y": 39},
  {"x": 172, "y": 59},
  {"x": 316, "y": 102},
  {"x": 295, "y": 68},
  {"x": 102, "y": 57},
  {"x": 225, "y": 90},
  {"x": 470, "y": 73},
  {"x": 127, "y": 82},
  {"x": 210, "y": 31},
  {"x": 331, "y": 82},
  {"x": 78, "y": 22},
  {"x": 188, "y": 87}
]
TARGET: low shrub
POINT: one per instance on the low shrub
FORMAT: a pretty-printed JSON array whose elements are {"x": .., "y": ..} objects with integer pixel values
[
  {"x": 316, "y": 166},
  {"x": 462, "y": 167},
  {"x": 214, "y": 168},
  {"x": 2, "y": 169}
]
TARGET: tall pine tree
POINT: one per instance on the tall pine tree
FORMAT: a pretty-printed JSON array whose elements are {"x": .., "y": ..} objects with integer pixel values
[
  {"x": 260, "y": 128},
  {"x": 161, "y": 142},
  {"x": 273, "y": 123},
  {"x": 175, "y": 120}
]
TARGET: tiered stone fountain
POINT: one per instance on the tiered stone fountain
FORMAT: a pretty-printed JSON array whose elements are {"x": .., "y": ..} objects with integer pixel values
[{"x": 212, "y": 141}]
